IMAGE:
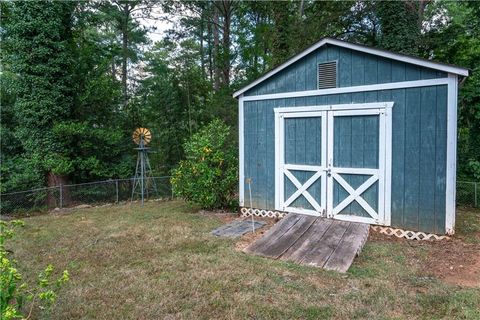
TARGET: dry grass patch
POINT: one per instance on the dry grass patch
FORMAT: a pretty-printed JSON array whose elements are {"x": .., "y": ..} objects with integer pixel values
[{"x": 160, "y": 262}]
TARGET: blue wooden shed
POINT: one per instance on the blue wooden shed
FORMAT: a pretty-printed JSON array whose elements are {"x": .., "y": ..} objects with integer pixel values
[{"x": 354, "y": 133}]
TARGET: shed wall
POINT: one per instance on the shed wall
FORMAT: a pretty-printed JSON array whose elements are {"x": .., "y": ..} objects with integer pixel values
[{"x": 419, "y": 142}]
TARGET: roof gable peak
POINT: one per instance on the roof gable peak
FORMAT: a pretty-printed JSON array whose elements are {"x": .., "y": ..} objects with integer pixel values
[{"x": 362, "y": 48}]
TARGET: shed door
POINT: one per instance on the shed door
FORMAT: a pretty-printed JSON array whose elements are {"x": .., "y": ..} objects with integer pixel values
[
  {"x": 334, "y": 161},
  {"x": 356, "y": 165},
  {"x": 303, "y": 162}
]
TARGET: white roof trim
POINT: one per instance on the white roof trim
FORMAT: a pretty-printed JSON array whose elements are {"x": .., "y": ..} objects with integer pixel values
[{"x": 348, "y": 45}]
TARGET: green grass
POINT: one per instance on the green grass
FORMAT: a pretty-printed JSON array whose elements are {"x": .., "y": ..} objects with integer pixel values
[{"x": 160, "y": 262}]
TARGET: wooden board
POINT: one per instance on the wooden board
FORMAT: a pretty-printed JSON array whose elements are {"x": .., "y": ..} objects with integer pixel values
[
  {"x": 353, "y": 240},
  {"x": 314, "y": 241},
  {"x": 271, "y": 236},
  {"x": 281, "y": 244},
  {"x": 308, "y": 240},
  {"x": 321, "y": 252}
]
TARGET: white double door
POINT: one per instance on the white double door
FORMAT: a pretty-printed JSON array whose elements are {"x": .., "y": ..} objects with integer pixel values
[{"x": 334, "y": 161}]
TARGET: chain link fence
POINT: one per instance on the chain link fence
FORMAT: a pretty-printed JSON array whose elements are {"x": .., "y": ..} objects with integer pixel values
[
  {"x": 119, "y": 190},
  {"x": 91, "y": 193},
  {"x": 468, "y": 194}
]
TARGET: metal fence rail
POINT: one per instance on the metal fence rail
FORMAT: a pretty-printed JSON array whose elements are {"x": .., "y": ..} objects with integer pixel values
[
  {"x": 65, "y": 196},
  {"x": 468, "y": 194}
]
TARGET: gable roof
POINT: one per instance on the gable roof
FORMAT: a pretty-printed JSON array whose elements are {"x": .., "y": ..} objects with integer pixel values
[{"x": 358, "y": 47}]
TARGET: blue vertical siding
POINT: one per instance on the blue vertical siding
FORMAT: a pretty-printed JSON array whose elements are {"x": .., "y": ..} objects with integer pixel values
[
  {"x": 440, "y": 158},
  {"x": 354, "y": 68},
  {"x": 412, "y": 158},
  {"x": 427, "y": 158},
  {"x": 398, "y": 157}
]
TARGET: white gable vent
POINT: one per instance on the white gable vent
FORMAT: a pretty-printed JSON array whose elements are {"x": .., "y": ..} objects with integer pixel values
[{"x": 327, "y": 75}]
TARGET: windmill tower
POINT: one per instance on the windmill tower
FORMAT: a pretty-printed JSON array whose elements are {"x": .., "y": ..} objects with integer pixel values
[{"x": 143, "y": 182}]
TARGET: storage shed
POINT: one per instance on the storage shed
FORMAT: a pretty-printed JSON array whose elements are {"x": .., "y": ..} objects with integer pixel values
[{"x": 355, "y": 133}]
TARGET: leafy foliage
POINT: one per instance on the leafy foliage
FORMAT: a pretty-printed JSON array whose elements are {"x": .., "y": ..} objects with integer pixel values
[
  {"x": 39, "y": 39},
  {"x": 208, "y": 175},
  {"x": 15, "y": 296}
]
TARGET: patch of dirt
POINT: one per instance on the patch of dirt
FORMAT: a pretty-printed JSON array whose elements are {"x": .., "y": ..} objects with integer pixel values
[
  {"x": 452, "y": 261},
  {"x": 251, "y": 237}
]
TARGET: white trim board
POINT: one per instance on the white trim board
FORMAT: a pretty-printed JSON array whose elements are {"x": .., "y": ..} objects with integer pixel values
[
  {"x": 451, "y": 174},
  {"x": 372, "y": 87},
  {"x": 382, "y": 53},
  {"x": 241, "y": 154},
  {"x": 305, "y": 111}
]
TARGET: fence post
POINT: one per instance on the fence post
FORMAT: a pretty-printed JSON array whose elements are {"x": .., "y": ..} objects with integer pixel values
[
  {"x": 475, "y": 194},
  {"x": 116, "y": 190},
  {"x": 61, "y": 196}
]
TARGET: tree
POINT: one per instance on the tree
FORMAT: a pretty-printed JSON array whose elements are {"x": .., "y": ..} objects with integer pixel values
[
  {"x": 124, "y": 15},
  {"x": 399, "y": 26},
  {"x": 38, "y": 47},
  {"x": 455, "y": 38},
  {"x": 218, "y": 17},
  {"x": 89, "y": 138}
]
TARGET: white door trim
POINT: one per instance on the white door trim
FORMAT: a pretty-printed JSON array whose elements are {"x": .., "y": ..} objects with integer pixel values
[{"x": 309, "y": 111}]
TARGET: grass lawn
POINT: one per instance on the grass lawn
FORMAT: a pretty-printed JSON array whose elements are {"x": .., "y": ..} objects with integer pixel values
[{"x": 160, "y": 262}]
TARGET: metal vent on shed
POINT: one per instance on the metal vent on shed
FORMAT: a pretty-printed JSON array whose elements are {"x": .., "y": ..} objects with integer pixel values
[{"x": 327, "y": 75}]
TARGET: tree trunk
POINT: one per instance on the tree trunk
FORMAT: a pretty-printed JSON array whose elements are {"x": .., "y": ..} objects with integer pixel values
[
  {"x": 114, "y": 71},
  {"x": 209, "y": 51},
  {"x": 55, "y": 197},
  {"x": 302, "y": 6},
  {"x": 126, "y": 17},
  {"x": 216, "y": 57},
  {"x": 227, "y": 19},
  {"x": 202, "y": 54}
]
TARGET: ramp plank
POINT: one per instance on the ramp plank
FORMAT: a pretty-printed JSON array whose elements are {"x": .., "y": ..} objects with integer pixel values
[
  {"x": 320, "y": 253},
  {"x": 273, "y": 234},
  {"x": 276, "y": 248},
  {"x": 348, "y": 247},
  {"x": 308, "y": 240}
]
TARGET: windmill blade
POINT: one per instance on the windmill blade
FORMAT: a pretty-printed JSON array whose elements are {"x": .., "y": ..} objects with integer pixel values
[{"x": 140, "y": 133}]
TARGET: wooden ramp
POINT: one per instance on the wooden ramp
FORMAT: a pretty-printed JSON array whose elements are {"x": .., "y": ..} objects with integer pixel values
[{"x": 314, "y": 241}]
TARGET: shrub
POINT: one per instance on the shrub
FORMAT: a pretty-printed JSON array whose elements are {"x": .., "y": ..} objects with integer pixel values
[
  {"x": 15, "y": 297},
  {"x": 209, "y": 174}
]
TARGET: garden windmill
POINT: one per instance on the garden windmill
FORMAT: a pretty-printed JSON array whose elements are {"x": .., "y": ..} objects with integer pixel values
[{"x": 143, "y": 182}]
